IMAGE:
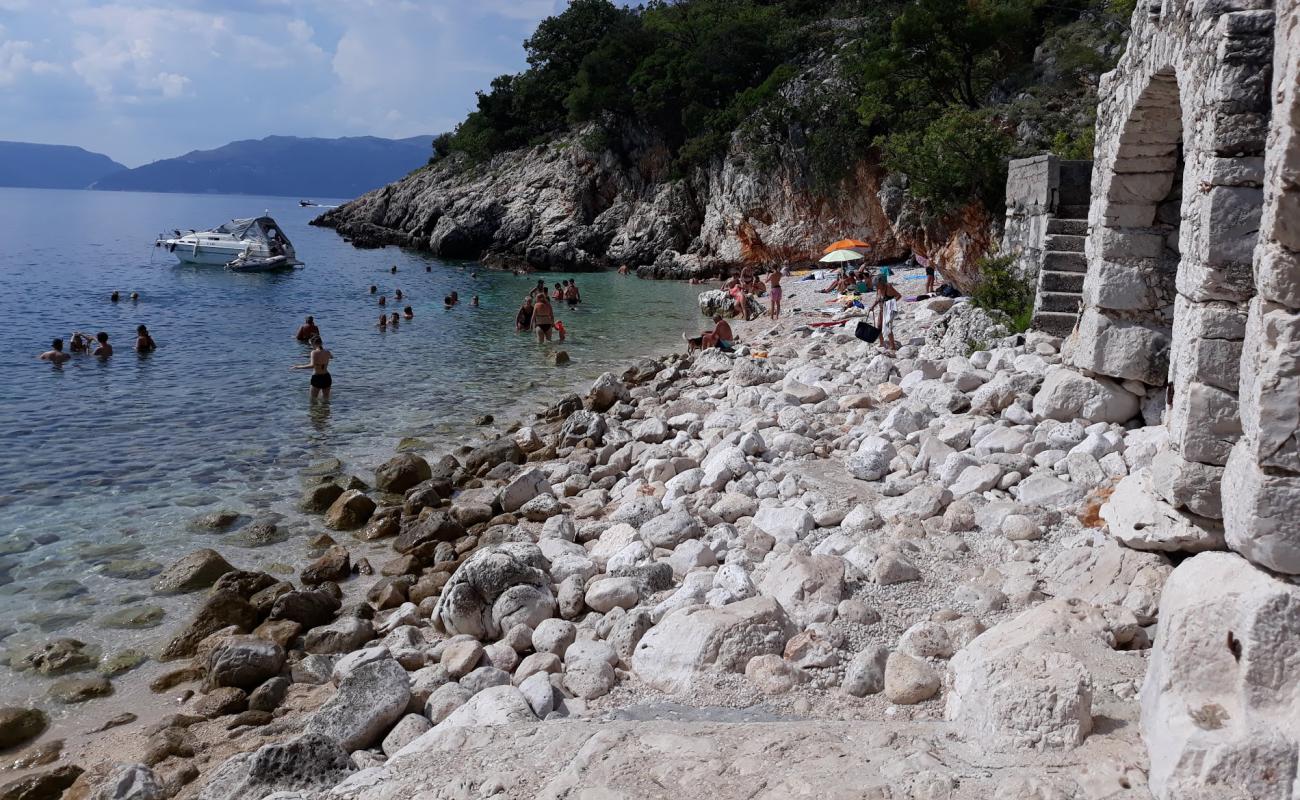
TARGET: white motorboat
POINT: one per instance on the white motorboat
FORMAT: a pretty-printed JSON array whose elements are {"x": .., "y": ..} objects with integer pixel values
[{"x": 257, "y": 244}]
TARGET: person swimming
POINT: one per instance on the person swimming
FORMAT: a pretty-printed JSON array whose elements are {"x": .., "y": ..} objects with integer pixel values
[
  {"x": 394, "y": 319},
  {"x": 80, "y": 343},
  {"x": 408, "y": 313},
  {"x": 105, "y": 349},
  {"x": 144, "y": 343},
  {"x": 383, "y": 320},
  {"x": 397, "y": 294},
  {"x": 473, "y": 301},
  {"x": 307, "y": 330},
  {"x": 383, "y": 300},
  {"x": 373, "y": 288},
  {"x": 394, "y": 269},
  {"x": 135, "y": 297},
  {"x": 55, "y": 354}
]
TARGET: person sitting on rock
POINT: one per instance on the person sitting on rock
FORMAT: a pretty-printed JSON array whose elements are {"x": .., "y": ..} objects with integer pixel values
[{"x": 720, "y": 337}]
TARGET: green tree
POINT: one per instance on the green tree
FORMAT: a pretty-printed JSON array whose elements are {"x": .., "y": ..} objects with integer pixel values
[{"x": 960, "y": 156}]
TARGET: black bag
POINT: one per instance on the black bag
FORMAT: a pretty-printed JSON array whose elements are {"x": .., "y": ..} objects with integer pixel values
[{"x": 867, "y": 332}]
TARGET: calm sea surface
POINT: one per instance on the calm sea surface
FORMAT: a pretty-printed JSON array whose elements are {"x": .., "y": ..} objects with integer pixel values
[{"x": 104, "y": 463}]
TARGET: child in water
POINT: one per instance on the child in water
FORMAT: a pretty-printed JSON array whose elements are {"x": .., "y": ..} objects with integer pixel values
[{"x": 559, "y": 329}]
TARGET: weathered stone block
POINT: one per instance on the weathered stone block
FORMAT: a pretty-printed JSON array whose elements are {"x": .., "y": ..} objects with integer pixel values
[
  {"x": 1120, "y": 349},
  {"x": 1203, "y": 422},
  {"x": 1240, "y": 134},
  {"x": 1237, "y": 171},
  {"x": 1202, "y": 281},
  {"x": 1219, "y": 705},
  {"x": 1117, "y": 245},
  {"x": 1119, "y": 286},
  {"x": 1259, "y": 511},
  {"x": 1232, "y": 216},
  {"x": 1277, "y": 272},
  {"x": 1187, "y": 484},
  {"x": 1137, "y": 517},
  {"x": 1270, "y": 411},
  {"x": 1209, "y": 361}
]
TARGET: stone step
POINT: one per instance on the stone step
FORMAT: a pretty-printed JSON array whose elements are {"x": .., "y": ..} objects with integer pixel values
[
  {"x": 1064, "y": 261},
  {"x": 1067, "y": 302},
  {"x": 1056, "y": 323},
  {"x": 1073, "y": 227},
  {"x": 1072, "y": 212},
  {"x": 1065, "y": 242},
  {"x": 1050, "y": 281}
]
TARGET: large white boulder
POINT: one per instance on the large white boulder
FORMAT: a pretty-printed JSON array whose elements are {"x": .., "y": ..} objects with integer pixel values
[
  {"x": 796, "y": 577},
  {"x": 495, "y": 589},
  {"x": 1137, "y": 516},
  {"x": 1026, "y": 683},
  {"x": 701, "y": 638},
  {"x": 1067, "y": 395},
  {"x": 1221, "y": 700},
  {"x": 786, "y": 524},
  {"x": 871, "y": 461}
]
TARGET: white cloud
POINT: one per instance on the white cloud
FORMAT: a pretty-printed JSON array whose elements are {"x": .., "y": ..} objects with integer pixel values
[
  {"x": 139, "y": 53},
  {"x": 15, "y": 63}
]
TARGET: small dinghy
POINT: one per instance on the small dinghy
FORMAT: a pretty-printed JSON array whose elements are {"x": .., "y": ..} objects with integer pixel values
[{"x": 246, "y": 262}]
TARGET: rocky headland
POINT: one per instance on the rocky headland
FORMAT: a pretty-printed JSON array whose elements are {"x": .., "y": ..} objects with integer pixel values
[
  {"x": 580, "y": 203},
  {"x": 810, "y": 568}
]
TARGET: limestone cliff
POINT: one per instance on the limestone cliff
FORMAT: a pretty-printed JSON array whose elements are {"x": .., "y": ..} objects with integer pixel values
[{"x": 592, "y": 200}]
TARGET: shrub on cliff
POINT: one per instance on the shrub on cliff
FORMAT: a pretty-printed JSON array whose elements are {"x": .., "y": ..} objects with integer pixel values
[
  {"x": 958, "y": 157},
  {"x": 1001, "y": 288}
]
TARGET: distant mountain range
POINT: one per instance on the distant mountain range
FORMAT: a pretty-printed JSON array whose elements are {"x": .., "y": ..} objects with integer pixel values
[
  {"x": 52, "y": 166},
  {"x": 277, "y": 165}
]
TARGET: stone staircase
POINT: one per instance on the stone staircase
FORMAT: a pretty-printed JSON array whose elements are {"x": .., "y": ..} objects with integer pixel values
[{"x": 1060, "y": 277}]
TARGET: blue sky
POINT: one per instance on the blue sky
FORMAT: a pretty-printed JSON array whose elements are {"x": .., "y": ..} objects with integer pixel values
[{"x": 145, "y": 80}]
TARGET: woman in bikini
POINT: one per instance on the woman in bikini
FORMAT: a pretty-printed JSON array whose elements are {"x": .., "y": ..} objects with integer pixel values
[
  {"x": 543, "y": 318},
  {"x": 321, "y": 380}
]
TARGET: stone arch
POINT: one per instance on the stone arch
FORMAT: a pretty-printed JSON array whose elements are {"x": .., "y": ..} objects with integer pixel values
[{"x": 1165, "y": 297}]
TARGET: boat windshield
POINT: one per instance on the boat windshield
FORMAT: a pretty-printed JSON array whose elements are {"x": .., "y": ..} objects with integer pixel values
[{"x": 260, "y": 229}]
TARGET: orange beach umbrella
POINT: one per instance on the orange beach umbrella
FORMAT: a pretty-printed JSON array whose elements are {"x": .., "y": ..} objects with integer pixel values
[{"x": 846, "y": 244}]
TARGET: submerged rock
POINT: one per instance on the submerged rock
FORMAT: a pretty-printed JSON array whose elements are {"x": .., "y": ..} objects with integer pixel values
[{"x": 198, "y": 570}]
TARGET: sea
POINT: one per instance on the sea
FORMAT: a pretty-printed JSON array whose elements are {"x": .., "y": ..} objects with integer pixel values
[{"x": 106, "y": 462}]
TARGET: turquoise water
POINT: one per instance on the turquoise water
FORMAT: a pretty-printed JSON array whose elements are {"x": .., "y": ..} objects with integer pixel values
[{"x": 107, "y": 460}]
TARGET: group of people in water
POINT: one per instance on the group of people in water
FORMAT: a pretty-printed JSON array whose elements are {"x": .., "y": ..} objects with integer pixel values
[
  {"x": 97, "y": 345},
  {"x": 537, "y": 314}
]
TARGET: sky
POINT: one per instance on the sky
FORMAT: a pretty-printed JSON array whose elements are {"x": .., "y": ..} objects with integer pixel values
[{"x": 139, "y": 81}]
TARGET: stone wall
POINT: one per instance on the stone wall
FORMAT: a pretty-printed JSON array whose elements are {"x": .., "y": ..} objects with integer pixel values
[
  {"x": 1169, "y": 275},
  {"x": 1262, "y": 484},
  {"x": 1192, "y": 297},
  {"x": 1031, "y": 199}
]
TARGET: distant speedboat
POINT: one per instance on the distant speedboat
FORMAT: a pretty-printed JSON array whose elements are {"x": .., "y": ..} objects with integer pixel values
[
  {"x": 257, "y": 240},
  {"x": 306, "y": 203}
]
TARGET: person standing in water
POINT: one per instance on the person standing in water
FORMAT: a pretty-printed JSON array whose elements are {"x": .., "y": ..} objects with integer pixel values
[
  {"x": 105, "y": 349},
  {"x": 307, "y": 331},
  {"x": 321, "y": 380},
  {"x": 55, "y": 354},
  {"x": 524, "y": 317},
  {"x": 543, "y": 317},
  {"x": 144, "y": 343}
]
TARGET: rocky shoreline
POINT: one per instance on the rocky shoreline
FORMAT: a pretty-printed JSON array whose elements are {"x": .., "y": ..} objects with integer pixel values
[{"x": 711, "y": 558}]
